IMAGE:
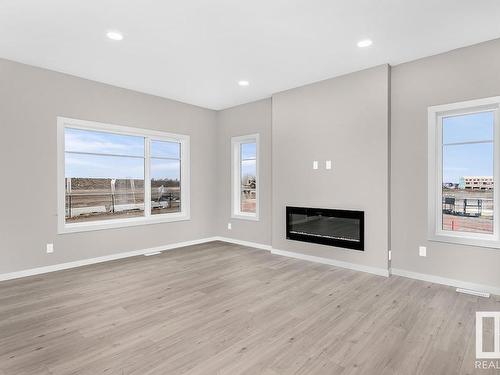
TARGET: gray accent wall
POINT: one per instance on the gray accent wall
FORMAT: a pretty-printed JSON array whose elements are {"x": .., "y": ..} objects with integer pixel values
[
  {"x": 345, "y": 120},
  {"x": 464, "y": 74},
  {"x": 245, "y": 119},
  {"x": 30, "y": 100}
]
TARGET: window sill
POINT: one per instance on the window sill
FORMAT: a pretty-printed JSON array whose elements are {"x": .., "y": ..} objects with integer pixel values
[
  {"x": 245, "y": 217},
  {"x": 120, "y": 223},
  {"x": 466, "y": 241}
]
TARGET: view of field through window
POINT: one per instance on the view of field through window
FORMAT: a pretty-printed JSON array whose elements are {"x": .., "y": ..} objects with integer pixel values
[
  {"x": 467, "y": 186},
  {"x": 104, "y": 176},
  {"x": 165, "y": 177},
  {"x": 248, "y": 173}
]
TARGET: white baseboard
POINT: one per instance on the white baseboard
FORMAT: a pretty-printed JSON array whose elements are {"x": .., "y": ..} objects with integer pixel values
[
  {"x": 369, "y": 269},
  {"x": 332, "y": 262},
  {"x": 310, "y": 258},
  {"x": 244, "y": 243},
  {"x": 106, "y": 258},
  {"x": 445, "y": 281},
  {"x": 473, "y": 292}
]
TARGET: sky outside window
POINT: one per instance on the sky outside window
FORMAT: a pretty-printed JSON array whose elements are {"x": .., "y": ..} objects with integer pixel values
[
  {"x": 80, "y": 163},
  {"x": 248, "y": 159},
  {"x": 474, "y": 159}
]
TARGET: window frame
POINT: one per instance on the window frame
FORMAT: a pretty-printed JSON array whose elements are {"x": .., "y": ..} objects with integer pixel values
[
  {"x": 435, "y": 171},
  {"x": 148, "y": 218},
  {"x": 236, "y": 143}
]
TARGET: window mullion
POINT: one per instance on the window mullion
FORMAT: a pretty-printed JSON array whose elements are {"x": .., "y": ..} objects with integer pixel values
[{"x": 147, "y": 178}]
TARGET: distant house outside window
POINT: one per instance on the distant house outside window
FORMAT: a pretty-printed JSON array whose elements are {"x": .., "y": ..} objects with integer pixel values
[
  {"x": 463, "y": 144},
  {"x": 245, "y": 177},
  {"x": 112, "y": 176}
]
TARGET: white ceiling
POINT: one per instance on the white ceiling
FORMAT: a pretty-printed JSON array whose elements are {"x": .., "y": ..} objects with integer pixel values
[{"x": 196, "y": 51}]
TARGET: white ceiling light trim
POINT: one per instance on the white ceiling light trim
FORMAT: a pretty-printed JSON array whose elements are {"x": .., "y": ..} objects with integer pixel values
[
  {"x": 114, "y": 35},
  {"x": 365, "y": 43}
]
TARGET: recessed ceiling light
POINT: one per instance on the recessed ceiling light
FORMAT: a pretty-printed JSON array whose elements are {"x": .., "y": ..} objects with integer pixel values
[
  {"x": 243, "y": 83},
  {"x": 365, "y": 43},
  {"x": 114, "y": 35}
]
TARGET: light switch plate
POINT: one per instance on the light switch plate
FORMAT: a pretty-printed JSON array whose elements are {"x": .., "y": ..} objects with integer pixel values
[
  {"x": 315, "y": 164},
  {"x": 422, "y": 251},
  {"x": 328, "y": 164}
]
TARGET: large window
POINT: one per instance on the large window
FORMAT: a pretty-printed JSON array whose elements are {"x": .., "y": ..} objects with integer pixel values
[
  {"x": 245, "y": 177},
  {"x": 463, "y": 172},
  {"x": 113, "y": 176}
]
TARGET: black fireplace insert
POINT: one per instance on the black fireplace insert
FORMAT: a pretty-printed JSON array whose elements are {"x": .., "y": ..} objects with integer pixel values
[{"x": 341, "y": 228}]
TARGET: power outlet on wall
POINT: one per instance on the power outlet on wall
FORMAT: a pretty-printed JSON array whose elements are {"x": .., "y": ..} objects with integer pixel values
[
  {"x": 50, "y": 248},
  {"x": 422, "y": 251},
  {"x": 229, "y": 226}
]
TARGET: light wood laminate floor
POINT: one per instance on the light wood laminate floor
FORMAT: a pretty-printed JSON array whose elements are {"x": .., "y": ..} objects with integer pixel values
[{"x": 219, "y": 308}]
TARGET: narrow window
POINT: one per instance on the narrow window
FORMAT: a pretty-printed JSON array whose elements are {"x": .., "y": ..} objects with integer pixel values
[
  {"x": 245, "y": 177},
  {"x": 463, "y": 147}
]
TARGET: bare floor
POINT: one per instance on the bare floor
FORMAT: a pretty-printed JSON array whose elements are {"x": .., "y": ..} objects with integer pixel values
[{"x": 226, "y": 309}]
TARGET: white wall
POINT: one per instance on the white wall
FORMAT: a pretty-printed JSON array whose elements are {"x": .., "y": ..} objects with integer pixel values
[
  {"x": 30, "y": 100},
  {"x": 463, "y": 74},
  {"x": 245, "y": 119},
  {"x": 344, "y": 119}
]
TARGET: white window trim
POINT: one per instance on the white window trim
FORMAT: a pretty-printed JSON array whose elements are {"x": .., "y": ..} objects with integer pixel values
[
  {"x": 434, "y": 170},
  {"x": 236, "y": 212},
  {"x": 184, "y": 140}
]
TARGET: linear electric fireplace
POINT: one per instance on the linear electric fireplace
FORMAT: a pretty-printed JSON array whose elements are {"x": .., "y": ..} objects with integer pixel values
[{"x": 341, "y": 228}]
